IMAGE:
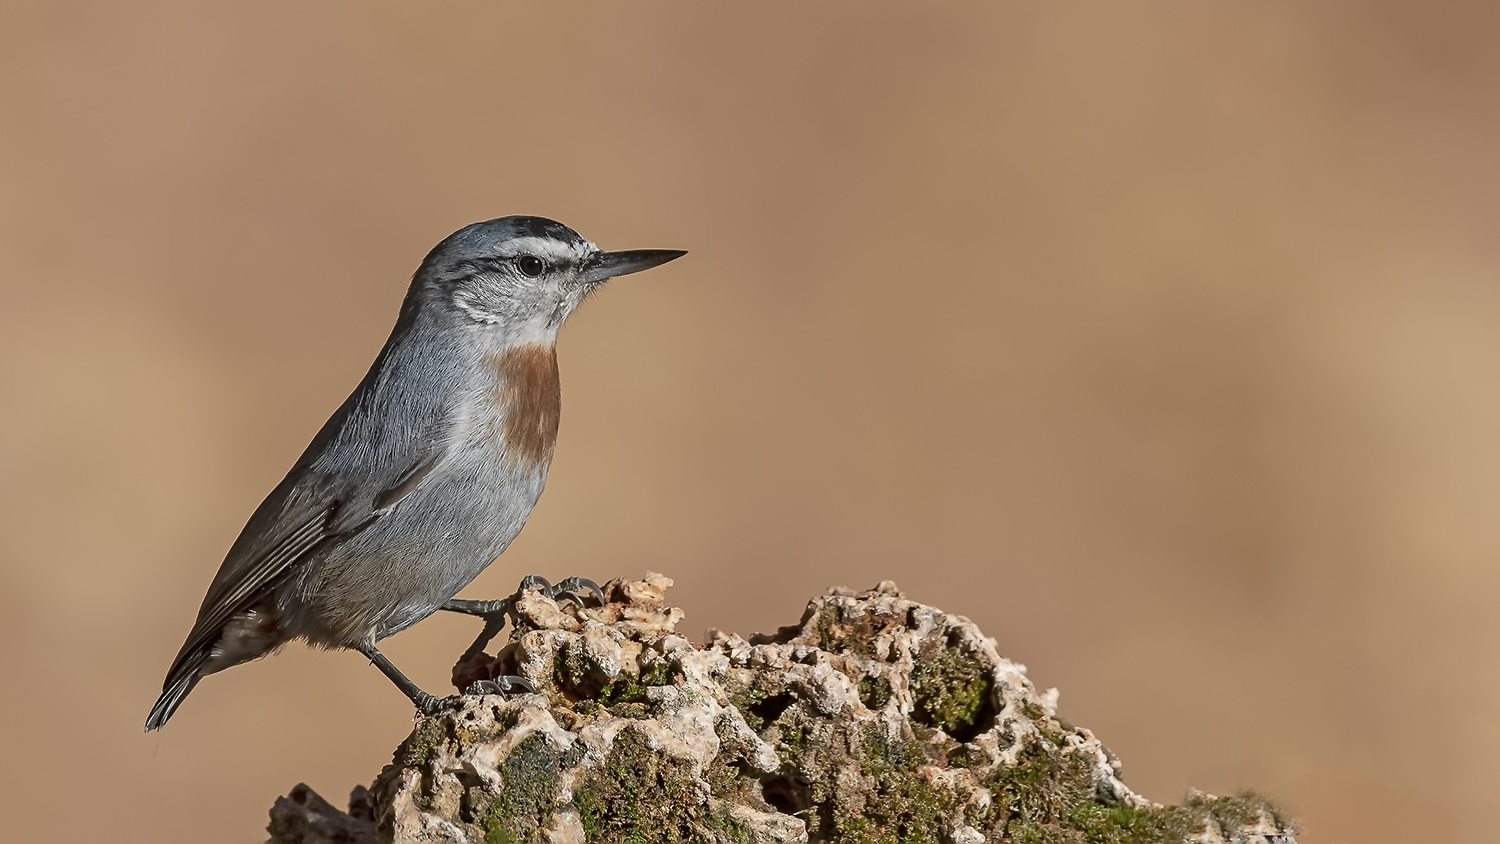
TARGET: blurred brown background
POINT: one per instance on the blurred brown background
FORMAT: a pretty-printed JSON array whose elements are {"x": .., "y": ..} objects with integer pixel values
[{"x": 1161, "y": 339}]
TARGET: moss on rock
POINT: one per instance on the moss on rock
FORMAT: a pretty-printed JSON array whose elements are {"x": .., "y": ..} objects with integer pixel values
[
  {"x": 636, "y": 796},
  {"x": 952, "y": 693},
  {"x": 527, "y": 797}
]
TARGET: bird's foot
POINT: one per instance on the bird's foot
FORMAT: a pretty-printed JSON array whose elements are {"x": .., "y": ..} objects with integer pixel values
[
  {"x": 430, "y": 705},
  {"x": 566, "y": 589},
  {"x": 503, "y": 685},
  {"x": 495, "y": 613}
]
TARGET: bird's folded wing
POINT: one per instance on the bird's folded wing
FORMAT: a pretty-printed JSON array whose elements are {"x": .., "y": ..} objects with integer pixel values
[
  {"x": 289, "y": 523},
  {"x": 305, "y": 511}
]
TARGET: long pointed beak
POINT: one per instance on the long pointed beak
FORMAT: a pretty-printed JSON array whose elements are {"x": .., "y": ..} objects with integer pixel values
[{"x": 603, "y": 265}]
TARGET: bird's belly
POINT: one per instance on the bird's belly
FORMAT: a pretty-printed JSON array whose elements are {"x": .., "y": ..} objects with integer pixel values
[{"x": 409, "y": 562}]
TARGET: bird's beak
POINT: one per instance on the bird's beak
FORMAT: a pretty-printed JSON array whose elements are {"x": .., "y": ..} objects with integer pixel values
[{"x": 602, "y": 265}]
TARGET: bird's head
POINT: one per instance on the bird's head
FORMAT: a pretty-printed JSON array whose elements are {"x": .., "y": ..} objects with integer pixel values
[{"x": 523, "y": 276}]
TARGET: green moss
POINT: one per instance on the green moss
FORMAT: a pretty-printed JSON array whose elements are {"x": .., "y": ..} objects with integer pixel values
[
  {"x": 628, "y": 689},
  {"x": 1091, "y": 822},
  {"x": 525, "y": 800},
  {"x": 418, "y": 748},
  {"x": 901, "y": 806},
  {"x": 1048, "y": 797},
  {"x": 727, "y": 827},
  {"x": 1243, "y": 809},
  {"x": 904, "y": 807},
  {"x": 575, "y": 676},
  {"x": 761, "y": 708},
  {"x": 728, "y": 781},
  {"x": 1044, "y": 785},
  {"x": 1027, "y": 832},
  {"x": 879, "y": 752},
  {"x": 874, "y": 692},
  {"x": 638, "y": 711},
  {"x": 1101, "y": 824},
  {"x": 1056, "y": 739},
  {"x": 661, "y": 674},
  {"x": 745, "y": 700},
  {"x": 638, "y": 796},
  {"x": 952, "y": 693}
]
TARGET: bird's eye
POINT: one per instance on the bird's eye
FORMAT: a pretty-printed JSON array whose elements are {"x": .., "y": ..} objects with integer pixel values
[{"x": 531, "y": 265}]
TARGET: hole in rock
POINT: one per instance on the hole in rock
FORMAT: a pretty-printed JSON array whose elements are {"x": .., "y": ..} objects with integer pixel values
[
  {"x": 788, "y": 794},
  {"x": 771, "y": 708}
]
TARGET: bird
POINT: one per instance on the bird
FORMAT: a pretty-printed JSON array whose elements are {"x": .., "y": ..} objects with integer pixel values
[{"x": 424, "y": 475}]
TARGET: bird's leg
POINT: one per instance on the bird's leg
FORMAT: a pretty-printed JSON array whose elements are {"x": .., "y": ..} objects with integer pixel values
[
  {"x": 426, "y": 704},
  {"x": 493, "y": 613},
  {"x": 483, "y": 609}
]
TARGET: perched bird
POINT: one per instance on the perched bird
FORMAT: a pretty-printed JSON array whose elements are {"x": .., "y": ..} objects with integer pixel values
[{"x": 426, "y": 472}]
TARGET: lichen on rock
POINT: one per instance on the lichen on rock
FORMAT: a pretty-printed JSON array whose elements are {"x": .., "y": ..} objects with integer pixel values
[{"x": 873, "y": 719}]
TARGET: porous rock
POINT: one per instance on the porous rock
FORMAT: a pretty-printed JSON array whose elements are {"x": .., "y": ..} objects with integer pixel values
[{"x": 874, "y": 718}]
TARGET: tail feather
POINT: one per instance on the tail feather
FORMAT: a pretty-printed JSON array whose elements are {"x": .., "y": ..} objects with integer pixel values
[{"x": 183, "y": 678}]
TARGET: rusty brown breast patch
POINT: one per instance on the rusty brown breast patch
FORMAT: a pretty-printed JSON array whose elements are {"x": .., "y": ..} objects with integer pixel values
[{"x": 528, "y": 396}]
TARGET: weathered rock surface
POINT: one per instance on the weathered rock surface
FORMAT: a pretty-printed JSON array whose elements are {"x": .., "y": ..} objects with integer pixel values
[{"x": 875, "y": 718}]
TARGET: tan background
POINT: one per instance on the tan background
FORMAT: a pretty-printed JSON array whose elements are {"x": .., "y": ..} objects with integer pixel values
[{"x": 1161, "y": 339}]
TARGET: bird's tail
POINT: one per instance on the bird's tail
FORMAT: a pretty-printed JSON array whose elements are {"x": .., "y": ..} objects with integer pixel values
[{"x": 181, "y": 680}]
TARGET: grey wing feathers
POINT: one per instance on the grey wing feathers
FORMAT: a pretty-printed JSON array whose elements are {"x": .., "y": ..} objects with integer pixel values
[
  {"x": 259, "y": 571},
  {"x": 279, "y": 534},
  {"x": 321, "y": 518},
  {"x": 306, "y": 510}
]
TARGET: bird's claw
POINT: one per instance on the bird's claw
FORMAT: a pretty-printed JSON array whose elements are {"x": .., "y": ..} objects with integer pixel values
[
  {"x": 566, "y": 589},
  {"x": 503, "y": 685}
]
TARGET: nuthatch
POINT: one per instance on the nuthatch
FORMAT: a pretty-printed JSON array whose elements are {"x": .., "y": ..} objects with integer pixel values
[{"x": 426, "y": 472}]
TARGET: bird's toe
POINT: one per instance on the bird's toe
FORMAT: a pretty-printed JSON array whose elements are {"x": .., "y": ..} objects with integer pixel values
[{"x": 504, "y": 685}]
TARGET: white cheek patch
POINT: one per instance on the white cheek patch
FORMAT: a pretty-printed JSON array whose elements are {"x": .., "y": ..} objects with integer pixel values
[
  {"x": 465, "y": 302},
  {"x": 537, "y": 329}
]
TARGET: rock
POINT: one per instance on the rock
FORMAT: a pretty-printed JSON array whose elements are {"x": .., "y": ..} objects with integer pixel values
[
  {"x": 874, "y": 718},
  {"x": 302, "y": 817}
]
